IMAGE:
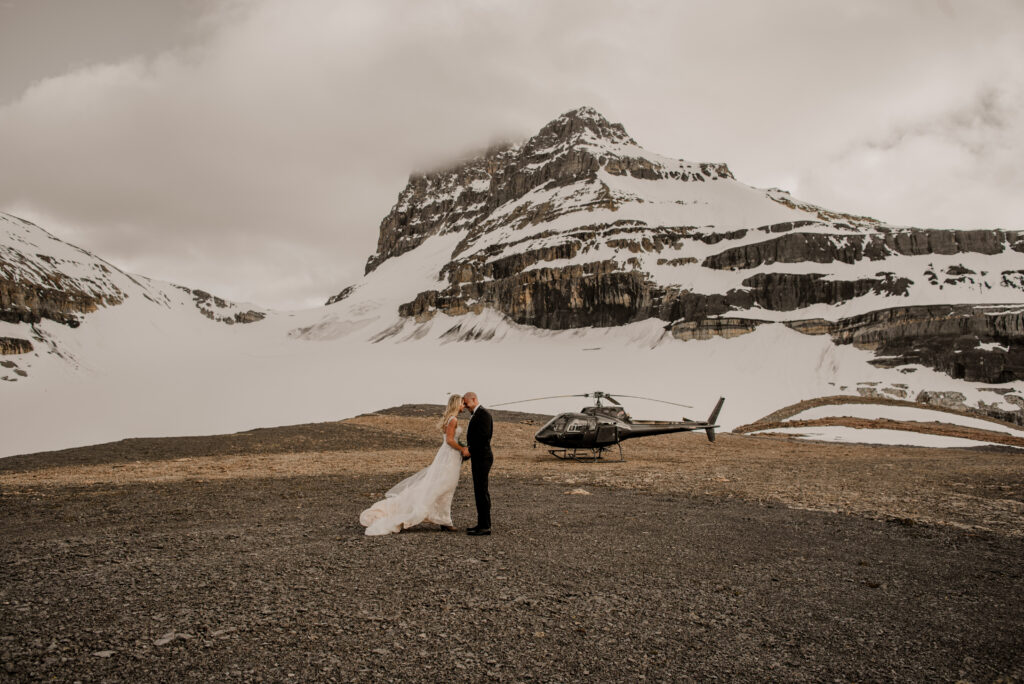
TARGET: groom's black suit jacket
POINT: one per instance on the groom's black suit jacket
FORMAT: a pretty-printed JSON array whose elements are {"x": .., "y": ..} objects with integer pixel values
[{"x": 478, "y": 435}]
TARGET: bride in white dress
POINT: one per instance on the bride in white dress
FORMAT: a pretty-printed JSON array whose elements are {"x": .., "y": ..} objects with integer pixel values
[{"x": 427, "y": 495}]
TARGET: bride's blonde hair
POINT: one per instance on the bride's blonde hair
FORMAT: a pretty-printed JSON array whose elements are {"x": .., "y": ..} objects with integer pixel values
[{"x": 453, "y": 408}]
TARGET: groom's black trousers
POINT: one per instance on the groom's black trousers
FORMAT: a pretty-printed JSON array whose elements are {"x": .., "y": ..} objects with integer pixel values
[{"x": 481, "y": 469}]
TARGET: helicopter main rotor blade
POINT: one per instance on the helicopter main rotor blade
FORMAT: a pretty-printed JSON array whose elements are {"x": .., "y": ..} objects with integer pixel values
[
  {"x": 556, "y": 396},
  {"x": 601, "y": 395},
  {"x": 660, "y": 401}
]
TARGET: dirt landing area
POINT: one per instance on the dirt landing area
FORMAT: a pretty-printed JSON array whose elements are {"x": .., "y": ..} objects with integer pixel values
[
  {"x": 240, "y": 557},
  {"x": 974, "y": 489}
]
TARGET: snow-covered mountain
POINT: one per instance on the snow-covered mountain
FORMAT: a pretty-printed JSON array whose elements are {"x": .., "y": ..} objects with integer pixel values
[
  {"x": 42, "y": 276},
  {"x": 580, "y": 226},
  {"x": 573, "y": 261}
]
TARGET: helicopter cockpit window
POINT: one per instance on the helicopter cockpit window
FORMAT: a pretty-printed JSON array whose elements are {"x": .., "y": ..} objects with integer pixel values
[
  {"x": 558, "y": 424},
  {"x": 576, "y": 426}
]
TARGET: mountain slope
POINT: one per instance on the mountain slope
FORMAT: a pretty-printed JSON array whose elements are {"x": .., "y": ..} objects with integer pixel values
[{"x": 42, "y": 276}]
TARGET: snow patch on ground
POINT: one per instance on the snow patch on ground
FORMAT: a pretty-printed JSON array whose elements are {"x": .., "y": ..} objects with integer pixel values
[
  {"x": 847, "y": 435},
  {"x": 908, "y": 413}
]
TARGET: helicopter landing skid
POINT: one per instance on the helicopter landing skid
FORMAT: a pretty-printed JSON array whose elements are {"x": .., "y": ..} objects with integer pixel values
[{"x": 587, "y": 455}]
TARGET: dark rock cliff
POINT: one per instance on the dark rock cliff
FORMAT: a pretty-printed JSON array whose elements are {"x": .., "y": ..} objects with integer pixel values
[
  {"x": 22, "y": 302},
  {"x": 973, "y": 343},
  {"x": 825, "y": 249},
  {"x": 977, "y": 344},
  {"x": 14, "y": 345},
  {"x": 600, "y": 294}
]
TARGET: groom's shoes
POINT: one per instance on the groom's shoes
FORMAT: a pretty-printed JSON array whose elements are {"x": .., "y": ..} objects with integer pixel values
[{"x": 478, "y": 531}]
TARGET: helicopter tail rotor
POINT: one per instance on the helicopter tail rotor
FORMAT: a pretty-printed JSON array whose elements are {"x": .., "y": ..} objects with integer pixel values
[{"x": 712, "y": 418}]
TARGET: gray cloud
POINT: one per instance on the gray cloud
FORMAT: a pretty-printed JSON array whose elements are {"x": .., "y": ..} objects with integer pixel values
[
  {"x": 954, "y": 168},
  {"x": 256, "y": 155},
  {"x": 41, "y": 38}
]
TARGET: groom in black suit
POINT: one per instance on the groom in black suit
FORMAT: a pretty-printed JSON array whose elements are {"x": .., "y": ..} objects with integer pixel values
[{"x": 478, "y": 440}]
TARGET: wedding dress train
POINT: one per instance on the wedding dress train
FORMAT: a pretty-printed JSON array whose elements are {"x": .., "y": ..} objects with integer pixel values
[{"x": 423, "y": 497}]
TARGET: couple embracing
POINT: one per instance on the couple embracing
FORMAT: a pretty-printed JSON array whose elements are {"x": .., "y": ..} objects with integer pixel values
[{"x": 427, "y": 495}]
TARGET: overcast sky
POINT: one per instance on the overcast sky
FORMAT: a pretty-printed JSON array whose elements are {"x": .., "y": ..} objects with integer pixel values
[{"x": 251, "y": 147}]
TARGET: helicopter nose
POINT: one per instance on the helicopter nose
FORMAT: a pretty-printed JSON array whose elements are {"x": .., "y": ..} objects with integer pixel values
[{"x": 544, "y": 435}]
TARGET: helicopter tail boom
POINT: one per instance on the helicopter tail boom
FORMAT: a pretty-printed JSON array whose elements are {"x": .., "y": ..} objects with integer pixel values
[{"x": 712, "y": 418}]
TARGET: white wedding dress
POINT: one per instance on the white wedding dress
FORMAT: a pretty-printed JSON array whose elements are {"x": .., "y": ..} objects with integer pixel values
[{"x": 423, "y": 497}]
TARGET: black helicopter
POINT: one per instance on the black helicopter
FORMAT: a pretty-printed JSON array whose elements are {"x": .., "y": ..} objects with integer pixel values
[{"x": 595, "y": 430}]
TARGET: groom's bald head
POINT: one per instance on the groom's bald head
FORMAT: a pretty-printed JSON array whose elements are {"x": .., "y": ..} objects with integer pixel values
[{"x": 470, "y": 400}]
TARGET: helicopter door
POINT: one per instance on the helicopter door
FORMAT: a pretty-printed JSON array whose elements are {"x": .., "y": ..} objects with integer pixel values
[
  {"x": 607, "y": 434},
  {"x": 576, "y": 428}
]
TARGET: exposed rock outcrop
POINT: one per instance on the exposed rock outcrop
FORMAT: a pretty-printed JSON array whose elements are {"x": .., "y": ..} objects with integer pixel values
[
  {"x": 14, "y": 345},
  {"x": 948, "y": 400},
  {"x": 595, "y": 293},
  {"x": 792, "y": 291},
  {"x": 341, "y": 295},
  {"x": 824, "y": 248},
  {"x": 25, "y": 303},
  {"x": 602, "y": 294},
  {"x": 978, "y": 344},
  {"x": 42, "y": 277},
  {"x": 705, "y": 329},
  {"x": 222, "y": 311}
]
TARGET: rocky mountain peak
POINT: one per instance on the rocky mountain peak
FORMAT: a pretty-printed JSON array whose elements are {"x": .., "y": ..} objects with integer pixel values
[
  {"x": 573, "y": 151},
  {"x": 582, "y": 124}
]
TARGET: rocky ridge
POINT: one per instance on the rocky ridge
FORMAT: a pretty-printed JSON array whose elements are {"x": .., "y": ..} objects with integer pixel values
[
  {"x": 43, "y": 277},
  {"x": 221, "y": 310}
]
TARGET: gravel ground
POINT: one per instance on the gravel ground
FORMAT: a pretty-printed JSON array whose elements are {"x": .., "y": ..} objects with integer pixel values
[{"x": 199, "y": 565}]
